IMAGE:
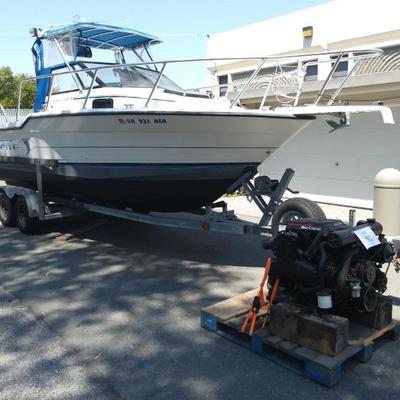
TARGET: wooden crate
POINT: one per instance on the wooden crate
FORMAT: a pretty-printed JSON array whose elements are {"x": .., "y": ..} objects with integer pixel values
[{"x": 225, "y": 318}]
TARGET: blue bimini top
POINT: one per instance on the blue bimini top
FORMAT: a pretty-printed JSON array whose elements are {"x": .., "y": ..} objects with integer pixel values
[{"x": 102, "y": 36}]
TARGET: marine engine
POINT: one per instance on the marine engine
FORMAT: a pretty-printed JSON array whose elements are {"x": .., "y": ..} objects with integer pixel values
[{"x": 328, "y": 263}]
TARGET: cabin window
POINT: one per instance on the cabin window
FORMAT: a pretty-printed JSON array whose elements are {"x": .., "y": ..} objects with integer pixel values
[
  {"x": 64, "y": 83},
  {"x": 343, "y": 67},
  {"x": 119, "y": 76},
  {"x": 223, "y": 80},
  {"x": 311, "y": 71}
]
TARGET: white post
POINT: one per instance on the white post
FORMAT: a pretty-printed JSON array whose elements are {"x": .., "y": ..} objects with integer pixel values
[{"x": 387, "y": 200}]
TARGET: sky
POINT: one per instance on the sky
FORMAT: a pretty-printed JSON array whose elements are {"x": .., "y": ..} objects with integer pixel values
[{"x": 183, "y": 25}]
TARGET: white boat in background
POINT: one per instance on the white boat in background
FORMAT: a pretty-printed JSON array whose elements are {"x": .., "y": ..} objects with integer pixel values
[{"x": 124, "y": 134}]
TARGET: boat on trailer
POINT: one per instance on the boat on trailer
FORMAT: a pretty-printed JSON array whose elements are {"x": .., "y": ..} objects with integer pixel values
[{"x": 123, "y": 134}]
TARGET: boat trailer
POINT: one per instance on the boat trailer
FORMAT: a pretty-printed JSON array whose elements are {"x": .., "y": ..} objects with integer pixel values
[{"x": 31, "y": 206}]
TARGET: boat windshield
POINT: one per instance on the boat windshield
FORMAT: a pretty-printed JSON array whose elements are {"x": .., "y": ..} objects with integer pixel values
[{"x": 119, "y": 76}]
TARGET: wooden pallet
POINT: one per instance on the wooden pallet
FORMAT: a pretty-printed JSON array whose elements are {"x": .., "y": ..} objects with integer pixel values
[{"x": 226, "y": 317}]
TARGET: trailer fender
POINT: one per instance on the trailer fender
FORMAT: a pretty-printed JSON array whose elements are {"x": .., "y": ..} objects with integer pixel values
[{"x": 30, "y": 196}]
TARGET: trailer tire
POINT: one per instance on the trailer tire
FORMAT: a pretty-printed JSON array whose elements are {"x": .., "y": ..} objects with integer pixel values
[
  {"x": 25, "y": 223},
  {"x": 7, "y": 214},
  {"x": 296, "y": 208}
]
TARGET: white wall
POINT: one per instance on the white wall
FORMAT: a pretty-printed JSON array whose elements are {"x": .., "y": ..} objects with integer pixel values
[
  {"x": 333, "y": 21},
  {"x": 343, "y": 163}
]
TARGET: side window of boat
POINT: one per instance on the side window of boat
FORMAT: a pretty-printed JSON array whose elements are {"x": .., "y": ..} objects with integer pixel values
[{"x": 63, "y": 83}]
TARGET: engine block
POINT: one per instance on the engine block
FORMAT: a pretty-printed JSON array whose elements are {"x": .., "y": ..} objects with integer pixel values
[{"x": 324, "y": 262}]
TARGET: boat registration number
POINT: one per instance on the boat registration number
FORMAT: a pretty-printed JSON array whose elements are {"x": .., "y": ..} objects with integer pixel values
[{"x": 142, "y": 121}]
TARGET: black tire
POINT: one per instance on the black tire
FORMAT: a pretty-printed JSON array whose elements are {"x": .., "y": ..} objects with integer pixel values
[
  {"x": 296, "y": 208},
  {"x": 25, "y": 223},
  {"x": 7, "y": 215}
]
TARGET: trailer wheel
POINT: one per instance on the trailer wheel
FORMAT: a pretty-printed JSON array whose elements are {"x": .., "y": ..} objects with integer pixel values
[
  {"x": 293, "y": 209},
  {"x": 25, "y": 223},
  {"x": 7, "y": 215}
]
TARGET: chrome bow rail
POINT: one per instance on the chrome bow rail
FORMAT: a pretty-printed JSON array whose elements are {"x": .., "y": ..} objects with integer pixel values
[{"x": 281, "y": 83}]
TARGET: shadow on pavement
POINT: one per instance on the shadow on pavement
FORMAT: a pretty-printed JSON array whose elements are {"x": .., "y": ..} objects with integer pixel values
[{"x": 125, "y": 300}]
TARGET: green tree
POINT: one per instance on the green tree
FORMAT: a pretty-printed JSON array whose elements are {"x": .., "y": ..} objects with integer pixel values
[
  {"x": 9, "y": 87},
  {"x": 28, "y": 91}
]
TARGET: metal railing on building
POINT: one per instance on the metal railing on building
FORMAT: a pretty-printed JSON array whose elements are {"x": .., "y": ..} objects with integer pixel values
[
  {"x": 389, "y": 61},
  {"x": 8, "y": 115}
]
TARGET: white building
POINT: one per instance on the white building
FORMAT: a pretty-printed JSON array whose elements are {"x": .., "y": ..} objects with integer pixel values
[{"x": 338, "y": 167}]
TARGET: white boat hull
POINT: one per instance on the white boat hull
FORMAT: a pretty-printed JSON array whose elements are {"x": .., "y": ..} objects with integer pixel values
[{"x": 158, "y": 161}]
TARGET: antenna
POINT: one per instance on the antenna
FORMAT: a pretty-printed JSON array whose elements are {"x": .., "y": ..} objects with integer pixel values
[{"x": 35, "y": 32}]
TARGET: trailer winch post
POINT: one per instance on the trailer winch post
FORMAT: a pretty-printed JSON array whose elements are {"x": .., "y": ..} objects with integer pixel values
[{"x": 275, "y": 196}]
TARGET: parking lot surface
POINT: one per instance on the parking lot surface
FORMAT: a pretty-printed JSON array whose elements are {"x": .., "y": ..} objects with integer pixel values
[{"x": 108, "y": 309}]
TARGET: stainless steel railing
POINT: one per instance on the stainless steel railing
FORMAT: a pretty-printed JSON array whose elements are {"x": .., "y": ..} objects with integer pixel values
[{"x": 302, "y": 61}]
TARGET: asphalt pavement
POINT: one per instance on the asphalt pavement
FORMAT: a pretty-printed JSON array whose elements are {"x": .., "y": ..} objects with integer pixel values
[{"x": 108, "y": 309}]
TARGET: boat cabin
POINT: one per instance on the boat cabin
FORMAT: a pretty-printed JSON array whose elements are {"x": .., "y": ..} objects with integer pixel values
[{"x": 77, "y": 58}]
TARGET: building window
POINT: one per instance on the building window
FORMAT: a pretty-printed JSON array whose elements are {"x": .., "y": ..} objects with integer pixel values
[
  {"x": 342, "y": 69},
  {"x": 311, "y": 71},
  {"x": 223, "y": 80}
]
